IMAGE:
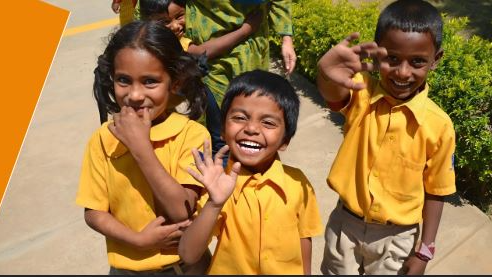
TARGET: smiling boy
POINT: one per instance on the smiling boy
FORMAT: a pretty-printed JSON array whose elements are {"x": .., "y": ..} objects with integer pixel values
[
  {"x": 395, "y": 163},
  {"x": 267, "y": 224}
]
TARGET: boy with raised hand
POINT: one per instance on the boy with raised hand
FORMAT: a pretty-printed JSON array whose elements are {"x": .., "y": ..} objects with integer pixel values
[
  {"x": 396, "y": 161},
  {"x": 267, "y": 224}
]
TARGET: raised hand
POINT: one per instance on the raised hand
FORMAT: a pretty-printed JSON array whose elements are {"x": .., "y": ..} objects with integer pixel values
[
  {"x": 158, "y": 236},
  {"x": 218, "y": 184},
  {"x": 133, "y": 131},
  {"x": 342, "y": 62}
]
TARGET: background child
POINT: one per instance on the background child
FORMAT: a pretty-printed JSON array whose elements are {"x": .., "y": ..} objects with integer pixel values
[
  {"x": 134, "y": 177},
  {"x": 395, "y": 163},
  {"x": 267, "y": 224},
  {"x": 125, "y": 9},
  {"x": 172, "y": 14}
]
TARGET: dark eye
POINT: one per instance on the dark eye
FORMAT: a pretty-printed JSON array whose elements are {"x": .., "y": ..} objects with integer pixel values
[
  {"x": 150, "y": 82},
  {"x": 122, "y": 80},
  {"x": 269, "y": 123},
  {"x": 238, "y": 118},
  {"x": 419, "y": 62},
  {"x": 392, "y": 60}
]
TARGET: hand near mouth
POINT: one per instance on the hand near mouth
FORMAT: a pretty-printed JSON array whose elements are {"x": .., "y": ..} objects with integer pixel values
[
  {"x": 219, "y": 184},
  {"x": 130, "y": 129}
]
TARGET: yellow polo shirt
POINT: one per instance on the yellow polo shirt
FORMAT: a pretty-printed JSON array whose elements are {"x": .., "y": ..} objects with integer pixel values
[
  {"x": 111, "y": 181},
  {"x": 262, "y": 223},
  {"x": 185, "y": 43},
  {"x": 392, "y": 153}
]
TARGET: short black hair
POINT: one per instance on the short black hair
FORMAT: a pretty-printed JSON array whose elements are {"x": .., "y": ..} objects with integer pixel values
[
  {"x": 265, "y": 84},
  {"x": 411, "y": 16},
  {"x": 150, "y": 8}
]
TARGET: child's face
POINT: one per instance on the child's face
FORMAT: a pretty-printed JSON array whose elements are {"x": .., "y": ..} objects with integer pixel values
[
  {"x": 410, "y": 57},
  {"x": 141, "y": 81},
  {"x": 254, "y": 129},
  {"x": 173, "y": 19}
]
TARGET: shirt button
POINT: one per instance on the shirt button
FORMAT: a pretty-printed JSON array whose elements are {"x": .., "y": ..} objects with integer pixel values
[
  {"x": 375, "y": 173},
  {"x": 266, "y": 217},
  {"x": 392, "y": 138},
  {"x": 266, "y": 258}
]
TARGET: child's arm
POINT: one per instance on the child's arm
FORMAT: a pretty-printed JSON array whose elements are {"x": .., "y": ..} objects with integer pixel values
[
  {"x": 175, "y": 201},
  {"x": 306, "y": 250},
  {"x": 338, "y": 66},
  {"x": 218, "y": 46},
  {"x": 153, "y": 236},
  {"x": 220, "y": 186},
  {"x": 431, "y": 214}
]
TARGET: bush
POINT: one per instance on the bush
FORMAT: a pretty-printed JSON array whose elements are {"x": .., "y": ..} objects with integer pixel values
[{"x": 461, "y": 85}]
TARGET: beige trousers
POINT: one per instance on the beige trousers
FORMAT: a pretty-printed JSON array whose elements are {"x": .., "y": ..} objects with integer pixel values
[{"x": 355, "y": 247}]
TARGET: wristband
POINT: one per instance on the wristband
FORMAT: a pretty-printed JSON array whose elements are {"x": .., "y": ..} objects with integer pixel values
[{"x": 425, "y": 252}]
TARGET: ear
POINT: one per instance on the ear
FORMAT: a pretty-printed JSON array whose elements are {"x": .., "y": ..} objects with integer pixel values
[
  {"x": 437, "y": 58},
  {"x": 175, "y": 87},
  {"x": 284, "y": 145}
]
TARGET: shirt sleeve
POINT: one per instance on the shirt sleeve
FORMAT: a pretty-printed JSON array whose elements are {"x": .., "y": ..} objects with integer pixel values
[
  {"x": 439, "y": 177},
  {"x": 93, "y": 191},
  {"x": 195, "y": 136},
  {"x": 280, "y": 17},
  {"x": 309, "y": 219}
]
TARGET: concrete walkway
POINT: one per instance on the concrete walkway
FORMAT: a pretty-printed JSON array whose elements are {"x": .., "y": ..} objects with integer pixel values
[{"x": 42, "y": 231}]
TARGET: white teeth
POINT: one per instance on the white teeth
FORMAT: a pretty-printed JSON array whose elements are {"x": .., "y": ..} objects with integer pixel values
[
  {"x": 250, "y": 143},
  {"x": 401, "y": 84},
  {"x": 250, "y": 150}
]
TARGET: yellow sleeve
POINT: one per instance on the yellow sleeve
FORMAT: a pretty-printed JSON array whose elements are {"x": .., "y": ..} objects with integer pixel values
[
  {"x": 185, "y": 43},
  {"x": 309, "y": 219},
  {"x": 280, "y": 16},
  {"x": 439, "y": 177},
  {"x": 93, "y": 191},
  {"x": 194, "y": 136}
]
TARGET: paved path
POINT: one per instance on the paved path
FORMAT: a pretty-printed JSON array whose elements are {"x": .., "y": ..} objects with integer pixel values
[{"x": 42, "y": 231}]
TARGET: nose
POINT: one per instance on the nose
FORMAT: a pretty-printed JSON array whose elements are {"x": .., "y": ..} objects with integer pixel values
[
  {"x": 251, "y": 128},
  {"x": 136, "y": 95},
  {"x": 174, "y": 26},
  {"x": 404, "y": 70}
]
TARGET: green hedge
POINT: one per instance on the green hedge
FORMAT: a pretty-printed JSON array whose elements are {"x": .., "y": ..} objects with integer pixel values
[{"x": 462, "y": 84}]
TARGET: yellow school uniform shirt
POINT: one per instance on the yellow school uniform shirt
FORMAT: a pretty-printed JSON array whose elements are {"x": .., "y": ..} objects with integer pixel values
[
  {"x": 262, "y": 223},
  {"x": 185, "y": 43},
  {"x": 392, "y": 153},
  {"x": 111, "y": 181}
]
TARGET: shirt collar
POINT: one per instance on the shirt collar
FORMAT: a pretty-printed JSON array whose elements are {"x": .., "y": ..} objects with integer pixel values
[
  {"x": 416, "y": 104},
  {"x": 171, "y": 127},
  {"x": 273, "y": 176}
]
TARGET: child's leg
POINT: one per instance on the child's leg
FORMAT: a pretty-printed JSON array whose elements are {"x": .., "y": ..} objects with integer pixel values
[
  {"x": 342, "y": 244},
  {"x": 387, "y": 247}
]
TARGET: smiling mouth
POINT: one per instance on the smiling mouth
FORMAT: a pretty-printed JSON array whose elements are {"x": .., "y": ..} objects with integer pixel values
[
  {"x": 249, "y": 147},
  {"x": 401, "y": 85}
]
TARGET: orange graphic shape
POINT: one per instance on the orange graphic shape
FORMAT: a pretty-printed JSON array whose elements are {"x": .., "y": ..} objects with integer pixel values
[{"x": 30, "y": 35}]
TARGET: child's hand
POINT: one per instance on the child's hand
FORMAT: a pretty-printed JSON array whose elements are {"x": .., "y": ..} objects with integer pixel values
[
  {"x": 342, "y": 62},
  {"x": 288, "y": 54},
  {"x": 115, "y": 6},
  {"x": 414, "y": 266},
  {"x": 218, "y": 184},
  {"x": 252, "y": 22},
  {"x": 130, "y": 129},
  {"x": 158, "y": 236}
]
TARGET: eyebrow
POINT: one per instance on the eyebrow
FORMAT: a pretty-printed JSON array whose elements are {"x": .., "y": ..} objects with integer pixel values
[{"x": 240, "y": 110}]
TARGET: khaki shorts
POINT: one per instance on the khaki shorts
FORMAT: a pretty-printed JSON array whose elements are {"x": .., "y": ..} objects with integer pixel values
[
  {"x": 178, "y": 268},
  {"x": 355, "y": 247}
]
